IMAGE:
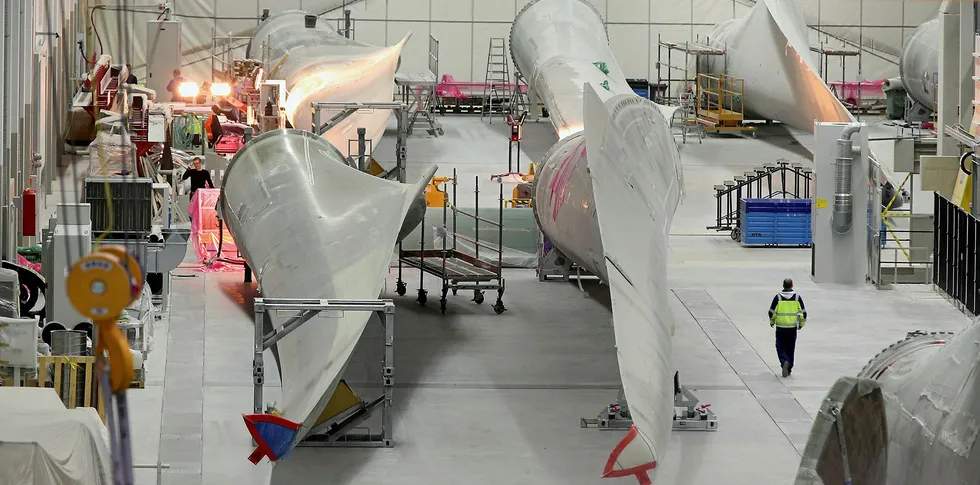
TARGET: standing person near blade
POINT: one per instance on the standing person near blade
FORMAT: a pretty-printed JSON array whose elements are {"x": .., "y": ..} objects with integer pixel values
[
  {"x": 213, "y": 126},
  {"x": 787, "y": 314},
  {"x": 200, "y": 178},
  {"x": 174, "y": 87}
]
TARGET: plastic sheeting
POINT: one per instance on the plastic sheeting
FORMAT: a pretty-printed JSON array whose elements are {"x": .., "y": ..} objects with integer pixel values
[
  {"x": 933, "y": 408},
  {"x": 207, "y": 237},
  {"x": 112, "y": 154},
  {"x": 18, "y": 342},
  {"x": 44, "y": 443},
  {"x": 849, "y": 438}
]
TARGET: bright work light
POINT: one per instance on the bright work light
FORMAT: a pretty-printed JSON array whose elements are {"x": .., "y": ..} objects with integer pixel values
[
  {"x": 220, "y": 89},
  {"x": 188, "y": 90}
]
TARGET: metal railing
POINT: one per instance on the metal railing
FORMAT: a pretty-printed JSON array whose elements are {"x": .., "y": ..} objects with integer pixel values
[
  {"x": 793, "y": 179},
  {"x": 720, "y": 97},
  {"x": 957, "y": 234}
]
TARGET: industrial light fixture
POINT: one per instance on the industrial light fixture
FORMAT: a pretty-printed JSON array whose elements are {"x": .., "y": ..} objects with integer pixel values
[
  {"x": 220, "y": 89},
  {"x": 188, "y": 89}
]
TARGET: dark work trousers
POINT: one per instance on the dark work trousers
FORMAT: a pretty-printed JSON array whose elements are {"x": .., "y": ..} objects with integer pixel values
[{"x": 786, "y": 345}]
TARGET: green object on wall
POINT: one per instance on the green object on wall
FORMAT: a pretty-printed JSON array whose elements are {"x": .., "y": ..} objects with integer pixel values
[
  {"x": 605, "y": 84},
  {"x": 602, "y": 67}
]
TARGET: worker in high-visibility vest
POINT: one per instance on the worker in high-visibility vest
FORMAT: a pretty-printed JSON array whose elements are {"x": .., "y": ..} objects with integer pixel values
[{"x": 788, "y": 315}]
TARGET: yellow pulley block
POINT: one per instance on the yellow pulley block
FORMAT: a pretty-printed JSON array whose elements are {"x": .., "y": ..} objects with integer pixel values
[
  {"x": 101, "y": 286},
  {"x": 132, "y": 267}
]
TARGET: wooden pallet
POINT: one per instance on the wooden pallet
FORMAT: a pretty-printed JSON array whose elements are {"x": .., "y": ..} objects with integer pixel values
[{"x": 62, "y": 380}]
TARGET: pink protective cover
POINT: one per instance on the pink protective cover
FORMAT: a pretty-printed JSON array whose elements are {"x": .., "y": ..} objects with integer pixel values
[{"x": 205, "y": 233}]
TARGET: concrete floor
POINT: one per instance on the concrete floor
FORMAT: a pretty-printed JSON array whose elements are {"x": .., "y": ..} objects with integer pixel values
[{"x": 486, "y": 399}]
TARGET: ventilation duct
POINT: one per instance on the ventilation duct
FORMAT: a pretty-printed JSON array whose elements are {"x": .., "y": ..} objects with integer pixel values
[{"x": 843, "y": 204}]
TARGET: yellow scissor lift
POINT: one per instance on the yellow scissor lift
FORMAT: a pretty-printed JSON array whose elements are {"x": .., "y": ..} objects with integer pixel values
[{"x": 720, "y": 105}]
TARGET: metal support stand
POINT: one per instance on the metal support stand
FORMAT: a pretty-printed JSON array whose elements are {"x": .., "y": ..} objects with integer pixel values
[
  {"x": 514, "y": 143},
  {"x": 688, "y": 415},
  {"x": 553, "y": 265},
  {"x": 344, "y": 110},
  {"x": 337, "y": 431}
]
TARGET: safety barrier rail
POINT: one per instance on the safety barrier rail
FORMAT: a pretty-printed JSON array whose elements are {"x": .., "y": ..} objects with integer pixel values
[
  {"x": 720, "y": 98},
  {"x": 793, "y": 180},
  {"x": 955, "y": 258}
]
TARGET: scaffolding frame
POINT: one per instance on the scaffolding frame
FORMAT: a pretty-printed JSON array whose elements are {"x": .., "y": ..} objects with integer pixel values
[
  {"x": 701, "y": 52},
  {"x": 333, "y": 432},
  {"x": 418, "y": 92},
  {"x": 223, "y": 52},
  {"x": 345, "y": 110}
]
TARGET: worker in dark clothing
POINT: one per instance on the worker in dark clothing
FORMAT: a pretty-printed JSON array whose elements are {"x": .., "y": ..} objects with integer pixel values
[
  {"x": 213, "y": 126},
  {"x": 788, "y": 315},
  {"x": 131, "y": 79},
  {"x": 174, "y": 87},
  {"x": 200, "y": 178}
]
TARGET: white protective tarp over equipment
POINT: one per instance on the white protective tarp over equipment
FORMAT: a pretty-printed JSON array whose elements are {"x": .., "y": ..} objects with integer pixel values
[{"x": 41, "y": 442}]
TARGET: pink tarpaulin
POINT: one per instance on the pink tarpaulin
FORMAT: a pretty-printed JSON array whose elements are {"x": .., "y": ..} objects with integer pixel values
[
  {"x": 448, "y": 87},
  {"x": 851, "y": 92},
  {"x": 27, "y": 264},
  {"x": 207, "y": 237}
]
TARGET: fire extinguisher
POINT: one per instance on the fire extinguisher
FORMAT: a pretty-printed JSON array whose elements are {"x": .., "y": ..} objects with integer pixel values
[{"x": 29, "y": 204}]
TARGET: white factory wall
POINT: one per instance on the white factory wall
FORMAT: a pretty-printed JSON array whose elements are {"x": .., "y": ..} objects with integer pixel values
[{"x": 464, "y": 28}]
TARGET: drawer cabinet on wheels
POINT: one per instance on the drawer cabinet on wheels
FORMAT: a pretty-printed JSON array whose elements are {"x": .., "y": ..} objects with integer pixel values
[{"x": 775, "y": 222}]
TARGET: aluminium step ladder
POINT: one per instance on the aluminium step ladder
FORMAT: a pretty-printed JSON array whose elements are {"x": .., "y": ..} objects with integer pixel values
[{"x": 496, "y": 90}]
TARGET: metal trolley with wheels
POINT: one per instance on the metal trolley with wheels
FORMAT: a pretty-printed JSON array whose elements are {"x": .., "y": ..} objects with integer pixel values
[{"x": 456, "y": 269}]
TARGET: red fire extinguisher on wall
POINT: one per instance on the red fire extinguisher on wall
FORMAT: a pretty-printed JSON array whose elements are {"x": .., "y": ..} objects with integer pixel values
[{"x": 29, "y": 204}]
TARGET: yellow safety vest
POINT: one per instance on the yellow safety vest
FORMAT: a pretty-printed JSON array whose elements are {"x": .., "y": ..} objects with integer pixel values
[{"x": 788, "y": 314}]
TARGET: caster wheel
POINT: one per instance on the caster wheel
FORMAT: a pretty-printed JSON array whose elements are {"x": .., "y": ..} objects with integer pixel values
[
  {"x": 400, "y": 288},
  {"x": 478, "y": 297},
  {"x": 442, "y": 306},
  {"x": 498, "y": 307},
  {"x": 454, "y": 291},
  {"x": 754, "y": 135},
  {"x": 735, "y": 234},
  {"x": 422, "y": 297}
]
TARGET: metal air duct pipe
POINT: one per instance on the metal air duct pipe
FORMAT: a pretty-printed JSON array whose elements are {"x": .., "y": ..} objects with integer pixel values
[
  {"x": 843, "y": 205},
  {"x": 310, "y": 226},
  {"x": 319, "y": 64}
]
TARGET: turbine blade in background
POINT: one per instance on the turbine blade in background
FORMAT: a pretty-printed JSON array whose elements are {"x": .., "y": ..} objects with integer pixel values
[
  {"x": 768, "y": 48},
  {"x": 320, "y": 65},
  {"x": 635, "y": 169}
]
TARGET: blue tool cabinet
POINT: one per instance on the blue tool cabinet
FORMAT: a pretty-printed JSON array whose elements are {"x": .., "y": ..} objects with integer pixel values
[{"x": 775, "y": 222}]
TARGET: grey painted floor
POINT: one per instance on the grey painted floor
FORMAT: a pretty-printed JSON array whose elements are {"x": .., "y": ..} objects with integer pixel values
[{"x": 488, "y": 399}]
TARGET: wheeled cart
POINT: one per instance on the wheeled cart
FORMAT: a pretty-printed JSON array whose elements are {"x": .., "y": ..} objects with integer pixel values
[{"x": 457, "y": 270}]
